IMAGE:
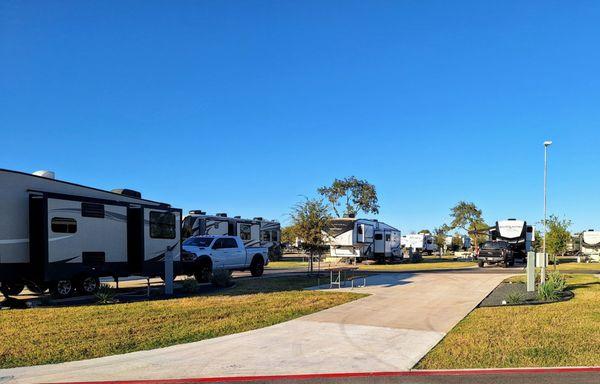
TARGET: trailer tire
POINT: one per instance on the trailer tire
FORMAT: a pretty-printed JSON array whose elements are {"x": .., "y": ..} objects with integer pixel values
[
  {"x": 62, "y": 289},
  {"x": 88, "y": 285},
  {"x": 480, "y": 263},
  {"x": 257, "y": 267},
  {"x": 11, "y": 289}
]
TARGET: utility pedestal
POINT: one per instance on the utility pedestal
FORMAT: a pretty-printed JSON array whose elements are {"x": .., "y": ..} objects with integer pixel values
[{"x": 530, "y": 271}]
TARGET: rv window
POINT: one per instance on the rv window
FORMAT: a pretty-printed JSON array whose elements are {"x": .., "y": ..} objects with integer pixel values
[
  {"x": 274, "y": 236},
  {"x": 92, "y": 210},
  {"x": 245, "y": 232},
  {"x": 359, "y": 229},
  {"x": 265, "y": 236},
  {"x": 388, "y": 237},
  {"x": 63, "y": 225},
  {"x": 378, "y": 236},
  {"x": 162, "y": 225}
]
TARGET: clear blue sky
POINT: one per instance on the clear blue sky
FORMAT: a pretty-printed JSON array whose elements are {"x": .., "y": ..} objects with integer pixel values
[{"x": 243, "y": 106}]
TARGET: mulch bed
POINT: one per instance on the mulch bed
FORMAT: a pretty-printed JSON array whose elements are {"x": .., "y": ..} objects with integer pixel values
[{"x": 495, "y": 298}]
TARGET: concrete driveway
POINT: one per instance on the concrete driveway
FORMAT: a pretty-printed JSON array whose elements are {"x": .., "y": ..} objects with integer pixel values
[{"x": 391, "y": 330}]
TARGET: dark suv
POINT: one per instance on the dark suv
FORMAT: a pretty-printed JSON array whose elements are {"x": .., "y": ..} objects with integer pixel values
[{"x": 496, "y": 252}]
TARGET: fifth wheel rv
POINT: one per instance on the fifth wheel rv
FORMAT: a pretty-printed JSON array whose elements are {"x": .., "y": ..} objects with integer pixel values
[
  {"x": 64, "y": 236},
  {"x": 517, "y": 233},
  {"x": 359, "y": 239},
  {"x": 590, "y": 244}
]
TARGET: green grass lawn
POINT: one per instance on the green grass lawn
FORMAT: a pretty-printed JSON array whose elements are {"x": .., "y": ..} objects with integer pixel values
[
  {"x": 429, "y": 262},
  {"x": 571, "y": 264},
  {"x": 558, "y": 334},
  {"x": 52, "y": 335}
]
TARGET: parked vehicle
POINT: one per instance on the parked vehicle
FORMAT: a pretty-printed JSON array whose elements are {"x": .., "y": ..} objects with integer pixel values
[
  {"x": 358, "y": 239},
  {"x": 254, "y": 232},
  {"x": 65, "y": 236},
  {"x": 420, "y": 242},
  {"x": 204, "y": 254},
  {"x": 516, "y": 233},
  {"x": 496, "y": 252},
  {"x": 590, "y": 244}
]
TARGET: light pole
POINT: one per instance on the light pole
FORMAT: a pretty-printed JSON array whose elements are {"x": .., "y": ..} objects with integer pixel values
[{"x": 547, "y": 143}]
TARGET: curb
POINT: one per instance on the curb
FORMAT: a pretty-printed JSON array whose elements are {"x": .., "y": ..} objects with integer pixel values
[{"x": 446, "y": 372}]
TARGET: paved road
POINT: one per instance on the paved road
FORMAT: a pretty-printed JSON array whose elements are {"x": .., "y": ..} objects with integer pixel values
[{"x": 390, "y": 330}]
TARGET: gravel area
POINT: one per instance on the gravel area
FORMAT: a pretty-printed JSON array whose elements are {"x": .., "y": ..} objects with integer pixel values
[{"x": 498, "y": 295}]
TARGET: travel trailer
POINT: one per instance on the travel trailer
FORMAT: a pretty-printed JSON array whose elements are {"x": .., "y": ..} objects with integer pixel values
[
  {"x": 359, "y": 239},
  {"x": 517, "y": 233},
  {"x": 64, "y": 236},
  {"x": 254, "y": 232},
  {"x": 590, "y": 244},
  {"x": 464, "y": 241},
  {"x": 420, "y": 242}
]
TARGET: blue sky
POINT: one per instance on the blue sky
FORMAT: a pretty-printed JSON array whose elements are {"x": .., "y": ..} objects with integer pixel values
[{"x": 244, "y": 106}]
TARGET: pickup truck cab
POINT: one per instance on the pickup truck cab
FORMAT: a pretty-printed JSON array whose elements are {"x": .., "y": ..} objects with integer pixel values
[
  {"x": 204, "y": 254},
  {"x": 496, "y": 252}
]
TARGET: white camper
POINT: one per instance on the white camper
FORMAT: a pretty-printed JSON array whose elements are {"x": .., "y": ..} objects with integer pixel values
[
  {"x": 65, "y": 236},
  {"x": 362, "y": 239},
  {"x": 590, "y": 244},
  {"x": 254, "y": 232},
  {"x": 420, "y": 242},
  {"x": 517, "y": 233}
]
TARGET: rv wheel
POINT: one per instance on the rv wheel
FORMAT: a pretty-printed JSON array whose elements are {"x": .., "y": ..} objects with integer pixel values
[
  {"x": 258, "y": 267},
  {"x": 480, "y": 263},
  {"x": 203, "y": 272},
  {"x": 11, "y": 289},
  {"x": 62, "y": 289},
  {"x": 88, "y": 285}
]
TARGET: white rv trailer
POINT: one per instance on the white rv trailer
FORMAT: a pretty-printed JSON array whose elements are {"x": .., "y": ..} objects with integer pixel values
[
  {"x": 63, "y": 235},
  {"x": 362, "y": 239},
  {"x": 517, "y": 233},
  {"x": 420, "y": 242},
  {"x": 254, "y": 232},
  {"x": 465, "y": 242},
  {"x": 590, "y": 244}
]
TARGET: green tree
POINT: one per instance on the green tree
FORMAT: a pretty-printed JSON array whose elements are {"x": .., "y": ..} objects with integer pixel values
[
  {"x": 558, "y": 236},
  {"x": 440, "y": 237},
  {"x": 425, "y": 231},
  {"x": 467, "y": 216},
  {"x": 288, "y": 234},
  {"x": 354, "y": 194},
  {"x": 310, "y": 219}
]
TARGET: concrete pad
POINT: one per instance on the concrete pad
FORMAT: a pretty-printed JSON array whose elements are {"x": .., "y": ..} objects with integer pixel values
[{"x": 391, "y": 330}]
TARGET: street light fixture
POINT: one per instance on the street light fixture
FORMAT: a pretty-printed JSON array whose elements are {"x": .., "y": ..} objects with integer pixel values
[{"x": 547, "y": 143}]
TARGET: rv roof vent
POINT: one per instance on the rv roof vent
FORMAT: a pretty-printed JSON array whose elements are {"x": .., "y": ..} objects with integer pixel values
[
  {"x": 220, "y": 214},
  {"x": 590, "y": 230},
  {"x": 512, "y": 219},
  {"x": 349, "y": 215},
  {"x": 46, "y": 174},
  {"x": 258, "y": 218},
  {"x": 197, "y": 212},
  {"x": 237, "y": 217},
  {"x": 128, "y": 192}
]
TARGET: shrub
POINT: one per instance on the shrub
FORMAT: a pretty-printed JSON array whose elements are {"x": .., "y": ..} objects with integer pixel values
[
  {"x": 559, "y": 281},
  {"x": 547, "y": 292},
  {"x": 515, "y": 298},
  {"x": 189, "y": 285},
  {"x": 416, "y": 257},
  {"x": 105, "y": 294},
  {"x": 221, "y": 278}
]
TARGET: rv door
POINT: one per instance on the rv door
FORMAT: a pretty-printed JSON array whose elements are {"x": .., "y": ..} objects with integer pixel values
[{"x": 161, "y": 234}]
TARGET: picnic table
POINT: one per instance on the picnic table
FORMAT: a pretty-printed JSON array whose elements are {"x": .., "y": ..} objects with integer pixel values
[{"x": 338, "y": 276}]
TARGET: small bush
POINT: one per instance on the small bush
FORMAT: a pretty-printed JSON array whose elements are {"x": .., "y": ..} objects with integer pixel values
[
  {"x": 416, "y": 257},
  {"x": 515, "y": 298},
  {"x": 221, "y": 278},
  {"x": 189, "y": 285},
  {"x": 559, "y": 281},
  {"x": 105, "y": 294},
  {"x": 547, "y": 292}
]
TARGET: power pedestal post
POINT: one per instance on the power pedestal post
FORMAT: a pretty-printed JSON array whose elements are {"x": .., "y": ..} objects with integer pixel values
[{"x": 530, "y": 271}]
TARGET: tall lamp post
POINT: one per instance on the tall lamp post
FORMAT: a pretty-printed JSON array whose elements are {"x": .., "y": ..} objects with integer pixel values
[{"x": 547, "y": 143}]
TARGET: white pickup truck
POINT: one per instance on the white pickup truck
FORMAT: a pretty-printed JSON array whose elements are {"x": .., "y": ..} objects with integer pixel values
[{"x": 204, "y": 254}]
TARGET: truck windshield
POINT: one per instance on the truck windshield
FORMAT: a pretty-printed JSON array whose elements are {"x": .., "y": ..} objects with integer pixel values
[
  {"x": 494, "y": 245},
  {"x": 199, "y": 241}
]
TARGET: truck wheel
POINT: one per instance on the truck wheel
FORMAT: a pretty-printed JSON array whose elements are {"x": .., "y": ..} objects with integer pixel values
[
  {"x": 480, "y": 263},
  {"x": 62, "y": 289},
  {"x": 11, "y": 289},
  {"x": 258, "y": 267},
  {"x": 203, "y": 272},
  {"x": 88, "y": 285}
]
